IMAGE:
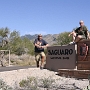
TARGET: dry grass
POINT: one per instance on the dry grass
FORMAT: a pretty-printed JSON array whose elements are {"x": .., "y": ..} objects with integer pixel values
[{"x": 23, "y": 60}]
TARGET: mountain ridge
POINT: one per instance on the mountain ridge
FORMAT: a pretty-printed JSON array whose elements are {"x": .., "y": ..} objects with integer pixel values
[{"x": 50, "y": 38}]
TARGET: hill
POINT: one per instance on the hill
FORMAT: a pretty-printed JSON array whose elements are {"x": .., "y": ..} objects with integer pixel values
[{"x": 50, "y": 38}]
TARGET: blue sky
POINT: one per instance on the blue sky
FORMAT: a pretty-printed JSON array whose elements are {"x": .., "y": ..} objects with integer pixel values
[{"x": 43, "y": 16}]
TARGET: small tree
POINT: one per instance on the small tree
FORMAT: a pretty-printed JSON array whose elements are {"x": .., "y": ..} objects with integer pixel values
[
  {"x": 4, "y": 33},
  {"x": 28, "y": 46},
  {"x": 63, "y": 38}
]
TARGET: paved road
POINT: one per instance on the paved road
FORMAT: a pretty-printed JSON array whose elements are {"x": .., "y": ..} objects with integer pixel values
[{"x": 9, "y": 68}]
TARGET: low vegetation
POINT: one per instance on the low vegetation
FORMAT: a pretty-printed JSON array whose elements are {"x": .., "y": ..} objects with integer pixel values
[{"x": 33, "y": 83}]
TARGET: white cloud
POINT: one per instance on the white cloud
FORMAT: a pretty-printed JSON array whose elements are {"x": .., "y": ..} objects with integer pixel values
[{"x": 37, "y": 32}]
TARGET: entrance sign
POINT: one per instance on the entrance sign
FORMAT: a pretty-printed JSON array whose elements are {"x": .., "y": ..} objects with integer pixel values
[{"x": 61, "y": 57}]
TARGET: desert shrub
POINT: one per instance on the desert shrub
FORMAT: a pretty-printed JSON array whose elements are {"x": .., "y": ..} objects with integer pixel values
[
  {"x": 33, "y": 83},
  {"x": 3, "y": 86},
  {"x": 30, "y": 83},
  {"x": 47, "y": 82}
]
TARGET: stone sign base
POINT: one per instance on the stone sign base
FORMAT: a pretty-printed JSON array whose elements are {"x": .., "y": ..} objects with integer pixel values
[{"x": 81, "y": 74}]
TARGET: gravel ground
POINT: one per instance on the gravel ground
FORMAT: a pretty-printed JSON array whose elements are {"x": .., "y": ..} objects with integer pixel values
[{"x": 12, "y": 78}]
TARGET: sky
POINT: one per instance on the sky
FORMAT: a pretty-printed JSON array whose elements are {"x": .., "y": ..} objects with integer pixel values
[{"x": 43, "y": 16}]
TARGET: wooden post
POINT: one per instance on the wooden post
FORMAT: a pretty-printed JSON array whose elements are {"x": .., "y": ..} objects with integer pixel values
[{"x": 9, "y": 57}]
